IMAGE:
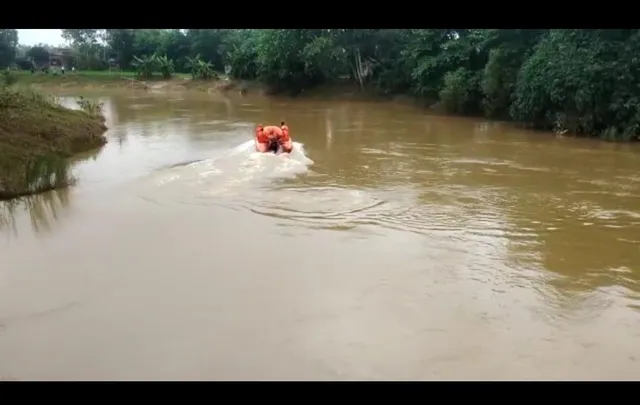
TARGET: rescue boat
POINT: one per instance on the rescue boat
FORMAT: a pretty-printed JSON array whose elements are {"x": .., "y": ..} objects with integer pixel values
[{"x": 273, "y": 139}]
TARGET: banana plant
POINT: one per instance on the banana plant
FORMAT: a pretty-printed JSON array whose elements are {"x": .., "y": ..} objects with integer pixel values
[
  {"x": 145, "y": 65},
  {"x": 201, "y": 69},
  {"x": 166, "y": 66}
]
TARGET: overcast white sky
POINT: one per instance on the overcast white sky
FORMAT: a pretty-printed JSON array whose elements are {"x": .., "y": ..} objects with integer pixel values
[{"x": 40, "y": 36}]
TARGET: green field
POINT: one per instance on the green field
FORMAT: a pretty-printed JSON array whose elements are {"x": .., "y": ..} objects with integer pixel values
[{"x": 86, "y": 76}]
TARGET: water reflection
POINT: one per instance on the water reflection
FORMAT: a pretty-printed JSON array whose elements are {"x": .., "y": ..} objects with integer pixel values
[
  {"x": 43, "y": 211},
  {"x": 7, "y": 216}
]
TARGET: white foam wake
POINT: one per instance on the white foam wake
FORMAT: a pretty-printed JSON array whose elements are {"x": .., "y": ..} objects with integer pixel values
[{"x": 236, "y": 171}]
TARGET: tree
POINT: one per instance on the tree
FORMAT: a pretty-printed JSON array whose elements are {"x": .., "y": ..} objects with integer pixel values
[
  {"x": 88, "y": 53},
  {"x": 121, "y": 42},
  {"x": 208, "y": 44},
  {"x": 38, "y": 54},
  {"x": 82, "y": 37},
  {"x": 8, "y": 44}
]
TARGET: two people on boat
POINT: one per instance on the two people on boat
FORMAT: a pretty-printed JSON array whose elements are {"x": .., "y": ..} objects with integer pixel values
[{"x": 273, "y": 138}]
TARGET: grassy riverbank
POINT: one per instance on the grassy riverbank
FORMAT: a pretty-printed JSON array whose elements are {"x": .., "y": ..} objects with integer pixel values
[
  {"x": 37, "y": 135},
  {"x": 123, "y": 79},
  {"x": 181, "y": 82}
]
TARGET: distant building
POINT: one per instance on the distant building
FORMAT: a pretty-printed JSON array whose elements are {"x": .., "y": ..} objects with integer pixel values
[{"x": 59, "y": 57}]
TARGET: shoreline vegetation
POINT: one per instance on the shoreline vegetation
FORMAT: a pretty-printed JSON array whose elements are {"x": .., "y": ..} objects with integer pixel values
[
  {"x": 569, "y": 81},
  {"x": 88, "y": 80},
  {"x": 38, "y": 135},
  {"x": 580, "y": 82},
  {"x": 223, "y": 84}
]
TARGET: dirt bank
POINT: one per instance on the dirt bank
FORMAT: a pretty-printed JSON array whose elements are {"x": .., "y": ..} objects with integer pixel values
[
  {"x": 106, "y": 80},
  {"x": 182, "y": 82},
  {"x": 37, "y": 135}
]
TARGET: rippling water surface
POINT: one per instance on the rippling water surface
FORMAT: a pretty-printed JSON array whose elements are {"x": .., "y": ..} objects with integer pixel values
[{"x": 392, "y": 244}]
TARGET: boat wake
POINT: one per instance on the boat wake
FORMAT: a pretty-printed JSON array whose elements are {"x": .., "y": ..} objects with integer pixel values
[{"x": 236, "y": 172}]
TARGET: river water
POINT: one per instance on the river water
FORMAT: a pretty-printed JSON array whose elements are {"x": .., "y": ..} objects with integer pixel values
[{"x": 392, "y": 244}]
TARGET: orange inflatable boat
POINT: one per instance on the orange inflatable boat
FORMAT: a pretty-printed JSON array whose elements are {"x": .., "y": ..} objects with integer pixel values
[{"x": 274, "y": 139}]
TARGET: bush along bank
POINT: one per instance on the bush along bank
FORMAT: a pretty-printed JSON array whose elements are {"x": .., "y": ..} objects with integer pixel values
[{"x": 37, "y": 135}]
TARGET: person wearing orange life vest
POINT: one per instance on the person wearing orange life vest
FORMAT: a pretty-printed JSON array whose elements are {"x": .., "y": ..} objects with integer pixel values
[{"x": 272, "y": 138}]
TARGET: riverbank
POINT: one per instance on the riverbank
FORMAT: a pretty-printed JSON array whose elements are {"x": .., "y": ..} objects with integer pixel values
[
  {"x": 118, "y": 79},
  {"x": 37, "y": 135},
  {"x": 182, "y": 81},
  {"x": 222, "y": 84}
]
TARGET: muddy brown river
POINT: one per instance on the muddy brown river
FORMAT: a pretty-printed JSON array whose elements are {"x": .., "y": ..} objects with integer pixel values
[{"x": 392, "y": 244}]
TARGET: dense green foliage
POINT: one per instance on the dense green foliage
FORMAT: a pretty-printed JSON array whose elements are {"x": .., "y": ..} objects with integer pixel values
[{"x": 580, "y": 81}]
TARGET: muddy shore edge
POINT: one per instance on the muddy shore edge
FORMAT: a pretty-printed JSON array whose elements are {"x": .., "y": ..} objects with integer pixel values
[{"x": 38, "y": 135}]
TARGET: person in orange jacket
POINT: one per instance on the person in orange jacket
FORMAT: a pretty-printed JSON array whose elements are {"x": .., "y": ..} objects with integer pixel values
[{"x": 273, "y": 138}]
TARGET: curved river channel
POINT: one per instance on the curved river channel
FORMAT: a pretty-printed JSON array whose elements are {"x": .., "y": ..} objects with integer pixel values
[{"x": 392, "y": 244}]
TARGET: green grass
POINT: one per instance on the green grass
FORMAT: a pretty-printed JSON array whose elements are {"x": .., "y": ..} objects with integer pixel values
[
  {"x": 85, "y": 76},
  {"x": 37, "y": 135}
]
